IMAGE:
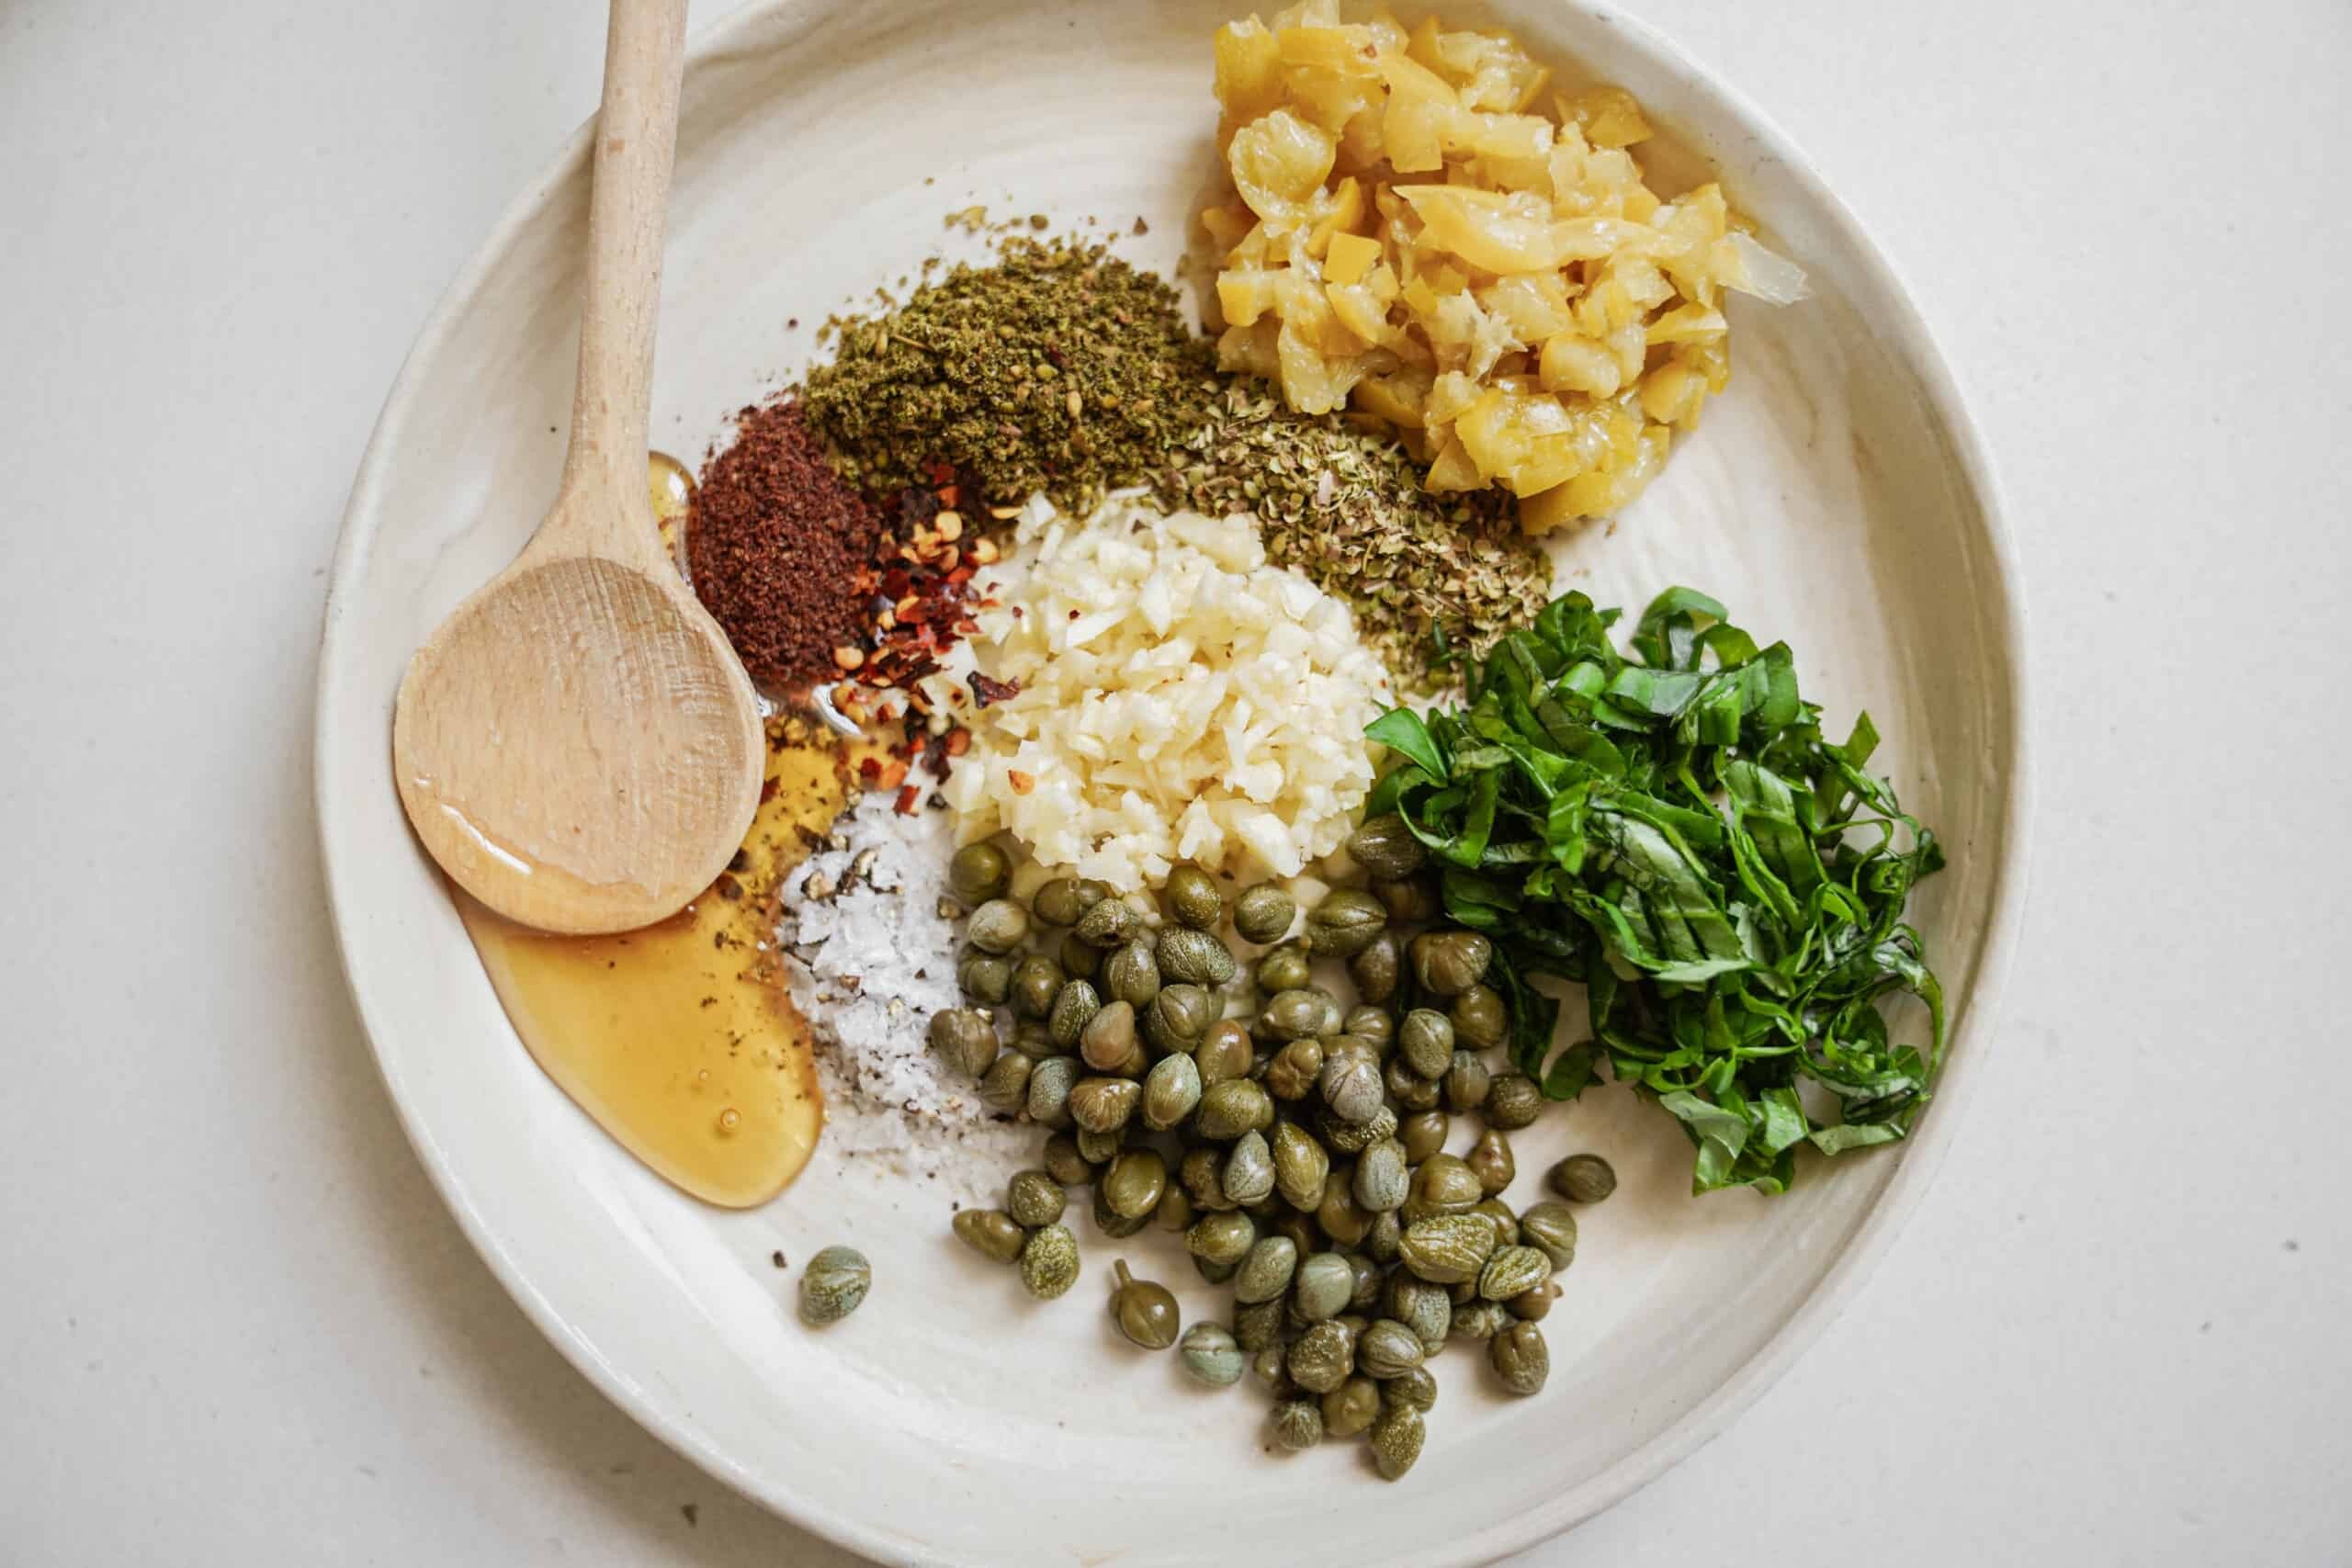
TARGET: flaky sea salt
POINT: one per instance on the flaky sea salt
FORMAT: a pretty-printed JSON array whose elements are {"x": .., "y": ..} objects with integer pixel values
[{"x": 870, "y": 956}]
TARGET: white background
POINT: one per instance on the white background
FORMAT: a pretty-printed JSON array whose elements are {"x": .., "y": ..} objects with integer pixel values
[{"x": 237, "y": 1326}]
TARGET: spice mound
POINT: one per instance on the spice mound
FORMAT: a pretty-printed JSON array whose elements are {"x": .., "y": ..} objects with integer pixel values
[
  {"x": 1424, "y": 572},
  {"x": 1060, "y": 369},
  {"x": 775, "y": 542},
  {"x": 1173, "y": 697}
]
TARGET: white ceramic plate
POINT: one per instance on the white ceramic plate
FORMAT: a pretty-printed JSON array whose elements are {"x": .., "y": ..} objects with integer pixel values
[{"x": 1837, "y": 496}]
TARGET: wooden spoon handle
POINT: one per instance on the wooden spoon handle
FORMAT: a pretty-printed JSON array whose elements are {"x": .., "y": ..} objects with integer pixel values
[{"x": 605, "y": 509}]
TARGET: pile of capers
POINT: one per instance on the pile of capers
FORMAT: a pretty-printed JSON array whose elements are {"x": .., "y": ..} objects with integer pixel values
[{"x": 1298, "y": 1144}]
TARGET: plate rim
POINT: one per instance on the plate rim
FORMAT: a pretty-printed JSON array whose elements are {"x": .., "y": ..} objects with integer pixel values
[{"x": 1923, "y": 1153}]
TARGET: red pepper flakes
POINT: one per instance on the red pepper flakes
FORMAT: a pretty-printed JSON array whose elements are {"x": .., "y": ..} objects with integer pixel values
[{"x": 909, "y": 798}]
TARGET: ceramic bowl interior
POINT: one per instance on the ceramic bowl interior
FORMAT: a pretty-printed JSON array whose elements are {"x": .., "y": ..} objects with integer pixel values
[{"x": 1836, "y": 496}]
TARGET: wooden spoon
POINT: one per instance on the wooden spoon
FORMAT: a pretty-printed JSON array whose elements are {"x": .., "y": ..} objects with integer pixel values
[{"x": 577, "y": 745}]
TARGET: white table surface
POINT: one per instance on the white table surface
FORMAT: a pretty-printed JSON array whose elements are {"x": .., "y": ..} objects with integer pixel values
[{"x": 236, "y": 1325}]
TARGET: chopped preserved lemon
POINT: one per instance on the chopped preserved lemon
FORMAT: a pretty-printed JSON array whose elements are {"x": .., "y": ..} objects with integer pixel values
[
  {"x": 1350, "y": 258},
  {"x": 1414, "y": 237}
]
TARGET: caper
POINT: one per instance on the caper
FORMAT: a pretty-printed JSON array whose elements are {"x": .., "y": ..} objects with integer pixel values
[
  {"x": 1232, "y": 1107},
  {"x": 1112, "y": 1222},
  {"x": 1170, "y": 1090},
  {"x": 1004, "y": 1087},
  {"x": 1466, "y": 1083},
  {"x": 1533, "y": 1306},
  {"x": 1342, "y": 1219},
  {"x": 1388, "y": 1350},
  {"x": 965, "y": 1039},
  {"x": 1299, "y": 1227},
  {"x": 1263, "y": 914},
  {"x": 1498, "y": 1215},
  {"x": 979, "y": 872},
  {"x": 1383, "y": 1237},
  {"x": 1445, "y": 1248},
  {"x": 1286, "y": 969},
  {"x": 1296, "y": 1424},
  {"x": 1417, "y": 1390},
  {"x": 1294, "y": 1068},
  {"x": 1101, "y": 1148},
  {"x": 1480, "y": 1019},
  {"x": 1352, "y": 1089},
  {"x": 998, "y": 926},
  {"x": 1224, "y": 1053},
  {"x": 1267, "y": 1366},
  {"x": 1411, "y": 1091},
  {"x": 1132, "y": 976},
  {"x": 1423, "y": 1134},
  {"x": 1550, "y": 1229},
  {"x": 1344, "y": 1137},
  {"x": 1582, "y": 1179},
  {"x": 1425, "y": 1040},
  {"x": 1049, "y": 1261},
  {"x": 1065, "y": 900},
  {"x": 1178, "y": 1017},
  {"x": 1195, "y": 957},
  {"x": 1211, "y": 1356},
  {"x": 1376, "y": 1027},
  {"x": 1064, "y": 1163},
  {"x": 1145, "y": 1310},
  {"x": 833, "y": 1285},
  {"x": 1030, "y": 1038},
  {"x": 1102, "y": 1104},
  {"x": 1411, "y": 901},
  {"x": 1132, "y": 1185},
  {"x": 1375, "y": 968},
  {"x": 1448, "y": 963},
  {"x": 1293, "y": 1015},
  {"x": 1344, "y": 923},
  {"x": 1266, "y": 1271},
  {"x": 983, "y": 977},
  {"x": 992, "y": 1233},
  {"x": 1202, "y": 1171},
  {"x": 1174, "y": 1209},
  {"x": 1107, "y": 1043},
  {"x": 1079, "y": 961},
  {"x": 1322, "y": 1286},
  {"x": 1477, "y": 1319},
  {"x": 1352, "y": 1407},
  {"x": 1257, "y": 1325},
  {"x": 1110, "y": 923},
  {"x": 1300, "y": 1164},
  {"x": 1221, "y": 1238},
  {"x": 1365, "y": 1280},
  {"x": 1520, "y": 1357},
  {"x": 1050, "y": 1083},
  {"x": 1384, "y": 846},
  {"x": 1249, "y": 1172},
  {"x": 1443, "y": 1184},
  {"x": 1395, "y": 1437},
  {"x": 1036, "y": 981},
  {"x": 1490, "y": 1158},
  {"x": 1512, "y": 1101},
  {"x": 1424, "y": 1308},
  {"x": 1321, "y": 1357},
  {"x": 1034, "y": 1197},
  {"x": 1380, "y": 1182},
  {"x": 1511, "y": 1271},
  {"x": 1190, "y": 898},
  {"x": 1074, "y": 1002}
]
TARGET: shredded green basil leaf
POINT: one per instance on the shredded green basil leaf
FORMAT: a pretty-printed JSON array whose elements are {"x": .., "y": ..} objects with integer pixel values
[{"x": 1670, "y": 830}]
